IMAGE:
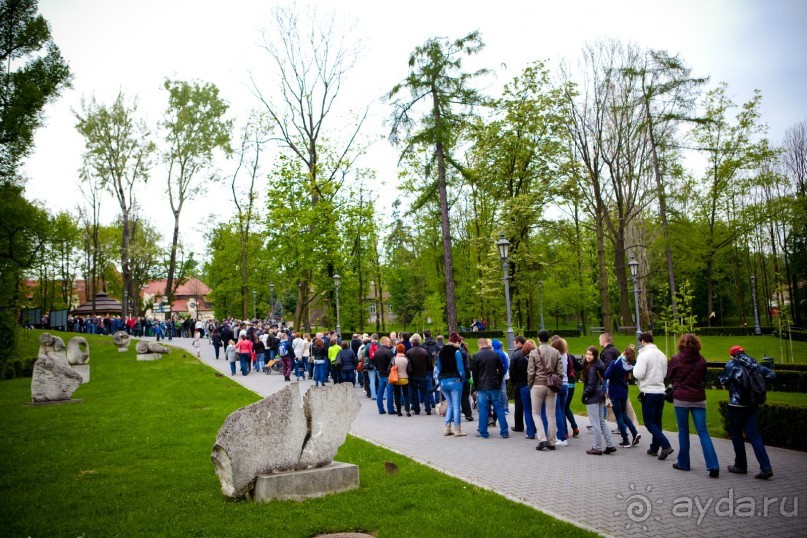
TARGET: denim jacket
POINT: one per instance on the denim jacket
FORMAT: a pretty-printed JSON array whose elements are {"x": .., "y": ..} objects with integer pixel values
[{"x": 731, "y": 378}]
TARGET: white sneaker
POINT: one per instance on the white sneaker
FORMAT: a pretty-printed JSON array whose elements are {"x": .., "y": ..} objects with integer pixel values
[{"x": 561, "y": 443}]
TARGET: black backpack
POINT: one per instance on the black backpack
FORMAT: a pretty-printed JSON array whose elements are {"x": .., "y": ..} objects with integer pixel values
[{"x": 753, "y": 383}]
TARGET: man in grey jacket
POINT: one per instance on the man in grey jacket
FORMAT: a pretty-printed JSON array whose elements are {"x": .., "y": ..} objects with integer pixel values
[{"x": 541, "y": 362}]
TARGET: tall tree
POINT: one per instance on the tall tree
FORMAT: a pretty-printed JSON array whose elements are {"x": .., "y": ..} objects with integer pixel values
[
  {"x": 436, "y": 81},
  {"x": 194, "y": 128},
  {"x": 32, "y": 74},
  {"x": 119, "y": 152},
  {"x": 310, "y": 62}
]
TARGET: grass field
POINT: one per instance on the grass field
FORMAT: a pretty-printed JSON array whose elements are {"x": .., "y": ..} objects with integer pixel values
[{"x": 133, "y": 459}]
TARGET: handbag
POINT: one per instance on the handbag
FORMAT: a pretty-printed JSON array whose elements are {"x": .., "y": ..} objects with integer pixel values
[
  {"x": 553, "y": 380},
  {"x": 668, "y": 394},
  {"x": 393, "y": 373}
]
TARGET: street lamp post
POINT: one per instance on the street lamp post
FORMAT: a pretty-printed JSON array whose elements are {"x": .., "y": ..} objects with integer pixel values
[
  {"x": 336, "y": 281},
  {"x": 254, "y": 304},
  {"x": 541, "y": 303},
  {"x": 634, "y": 273},
  {"x": 125, "y": 306},
  {"x": 757, "y": 328},
  {"x": 504, "y": 252},
  {"x": 271, "y": 301}
]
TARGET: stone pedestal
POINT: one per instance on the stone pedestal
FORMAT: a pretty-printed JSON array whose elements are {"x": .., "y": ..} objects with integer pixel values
[
  {"x": 300, "y": 485},
  {"x": 149, "y": 356},
  {"x": 83, "y": 370},
  {"x": 123, "y": 349}
]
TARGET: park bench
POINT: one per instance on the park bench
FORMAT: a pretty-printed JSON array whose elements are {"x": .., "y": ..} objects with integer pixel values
[
  {"x": 626, "y": 329},
  {"x": 596, "y": 330}
]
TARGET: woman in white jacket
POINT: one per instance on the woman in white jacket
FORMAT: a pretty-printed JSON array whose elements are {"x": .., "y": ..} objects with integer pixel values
[{"x": 650, "y": 371}]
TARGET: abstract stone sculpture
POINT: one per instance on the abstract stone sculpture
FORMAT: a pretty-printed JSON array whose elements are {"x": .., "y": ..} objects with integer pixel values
[
  {"x": 79, "y": 357},
  {"x": 52, "y": 347},
  {"x": 121, "y": 340},
  {"x": 53, "y": 381},
  {"x": 277, "y": 435},
  {"x": 150, "y": 351}
]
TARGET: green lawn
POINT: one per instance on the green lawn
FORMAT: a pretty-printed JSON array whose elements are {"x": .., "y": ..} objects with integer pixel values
[{"x": 133, "y": 459}]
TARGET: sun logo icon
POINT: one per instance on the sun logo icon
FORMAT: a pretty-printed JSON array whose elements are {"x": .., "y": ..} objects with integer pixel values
[{"x": 638, "y": 507}]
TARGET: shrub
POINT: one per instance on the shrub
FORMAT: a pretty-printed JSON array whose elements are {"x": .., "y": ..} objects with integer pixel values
[
  {"x": 722, "y": 331},
  {"x": 17, "y": 368},
  {"x": 780, "y": 425}
]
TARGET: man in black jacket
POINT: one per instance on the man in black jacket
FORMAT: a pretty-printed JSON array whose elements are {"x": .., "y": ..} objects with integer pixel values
[
  {"x": 422, "y": 367},
  {"x": 433, "y": 348},
  {"x": 518, "y": 379},
  {"x": 488, "y": 372},
  {"x": 383, "y": 358}
]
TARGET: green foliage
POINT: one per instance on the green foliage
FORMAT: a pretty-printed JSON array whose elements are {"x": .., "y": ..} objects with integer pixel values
[
  {"x": 32, "y": 74},
  {"x": 684, "y": 320}
]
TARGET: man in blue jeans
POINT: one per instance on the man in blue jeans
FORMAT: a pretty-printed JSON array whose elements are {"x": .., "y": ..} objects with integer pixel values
[
  {"x": 650, "y": 371},
  {"x": 422, "y": 368},
  {"x": 488, "y": 371},
  {"x": 383, "y": 358}
]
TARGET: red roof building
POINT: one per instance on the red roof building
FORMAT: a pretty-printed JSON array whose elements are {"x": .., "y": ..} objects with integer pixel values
[{"x": 190, "y": 299}]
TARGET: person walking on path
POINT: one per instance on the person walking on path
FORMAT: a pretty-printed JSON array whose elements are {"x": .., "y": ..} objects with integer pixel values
[
  {"x": 422, "y": 368},
  {"x": 594, "y": 399},
  {"x": 744, "y": 403},
  {"x": 488, "y": 371},
  {"x": 383, "y": 358},
  {"x": 244, "y": 349},
  {"x": 215, "y": 339},
  {"x": 286, "y": 352},
  {"x": 321, "y": 362},
  {"x": 232, "y": 356},
  {"x": 400, "y": 388},
  {"x": 573, "y": 367},
  {"x": 687, "y": 371},
  {"x": 518, "y": 380},
  {"x": 650, "y": 371},
  {"x": 346, "y": 362},
  {"x": 451, "y": 373},
  {"x": 543, "y": 361},
  {"x": 616, "y": 374}
]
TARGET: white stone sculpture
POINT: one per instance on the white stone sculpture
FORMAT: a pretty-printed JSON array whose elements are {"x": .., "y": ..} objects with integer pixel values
[
  {"x": 53, "y": 381},
  {"x": 73, "y": 356},
  {"x": 121, "y": 340},
  {"x": 150, "y": 351},
  {"x": 280, "y": 436}
]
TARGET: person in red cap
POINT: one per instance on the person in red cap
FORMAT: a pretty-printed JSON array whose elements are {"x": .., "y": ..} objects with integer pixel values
[{"x": 744, "y": 400}]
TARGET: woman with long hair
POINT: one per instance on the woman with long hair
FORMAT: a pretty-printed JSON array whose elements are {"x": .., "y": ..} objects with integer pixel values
[
  {"x": 687, "y": 373},
  {"x": 594, "y": 398}
]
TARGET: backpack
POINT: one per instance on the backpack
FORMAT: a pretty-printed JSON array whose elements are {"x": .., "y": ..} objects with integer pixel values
[
  {"x": 753, "y": 383},
  {"x": 373, "y": 349}
]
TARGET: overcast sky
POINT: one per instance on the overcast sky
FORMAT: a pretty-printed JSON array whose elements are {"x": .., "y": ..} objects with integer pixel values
[{"x": 114, "y": 45}]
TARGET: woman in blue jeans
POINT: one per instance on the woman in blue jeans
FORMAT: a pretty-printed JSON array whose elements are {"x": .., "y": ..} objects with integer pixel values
[
  {"x": 687, "y": 372},
  {"x": 451, "y": 374}
]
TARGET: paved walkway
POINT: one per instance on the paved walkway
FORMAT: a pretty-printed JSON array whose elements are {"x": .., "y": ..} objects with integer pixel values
[{"x": 625, "y": 494}]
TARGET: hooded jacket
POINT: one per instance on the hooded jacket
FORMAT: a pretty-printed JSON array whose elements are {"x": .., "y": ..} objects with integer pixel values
[
  {"x": 592, "y": 383},
  {"x": 687, "y": 372},
  {"x": 616, "y": 374},
  {"x": 732, "y": 378},
  {"x": 498, "y": 348}
]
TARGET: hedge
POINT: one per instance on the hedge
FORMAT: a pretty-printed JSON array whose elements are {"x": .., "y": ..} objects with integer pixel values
[
  {"x": 565, "y": 333},
  {"x": 17, "y": 368},
  {"x": 780, "y": 425},
  {"x": 721, "y": 331},
  {"x": 786, "y": 380}
]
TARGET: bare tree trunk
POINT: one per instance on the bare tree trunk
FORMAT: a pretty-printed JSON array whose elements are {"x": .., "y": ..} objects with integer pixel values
[{"x": 603, "y": 280}]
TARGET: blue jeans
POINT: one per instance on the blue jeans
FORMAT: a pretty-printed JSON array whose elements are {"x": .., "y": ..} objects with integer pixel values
[
  {"x": 567, "y": 409},
  {"x": 623, "y": 421},
  {"x": 232, "y": 367},
  {"x": 745, "y": 418},
  {"x": 244, "y": 360},
  {"x": 321, "y": 373},
  {"x": 452, "y": 391},
  {"x": 384, "y": 389},
  {"x": 430, "y": 388},
  {"x": 419, "y": 393},
  {"x": 484, "y": 398},
  {"x": 372, "y": 376},
  {"x": 699, "y": 418},
  {"x": 526, "y": 403},
  {"x": 348, "y": 376},
  {"x": 652, "y": 408},
  {"x": 560, "y": 414}
]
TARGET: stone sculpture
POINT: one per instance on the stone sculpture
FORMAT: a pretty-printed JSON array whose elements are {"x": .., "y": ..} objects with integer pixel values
[
  {"x": 53, "y": 381},
  {"x": 121, "y": 340},
  {"x": 52, "y": 347},
  {"x": 150, "y": 351},
  {"x": 282, "y": 448}
]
